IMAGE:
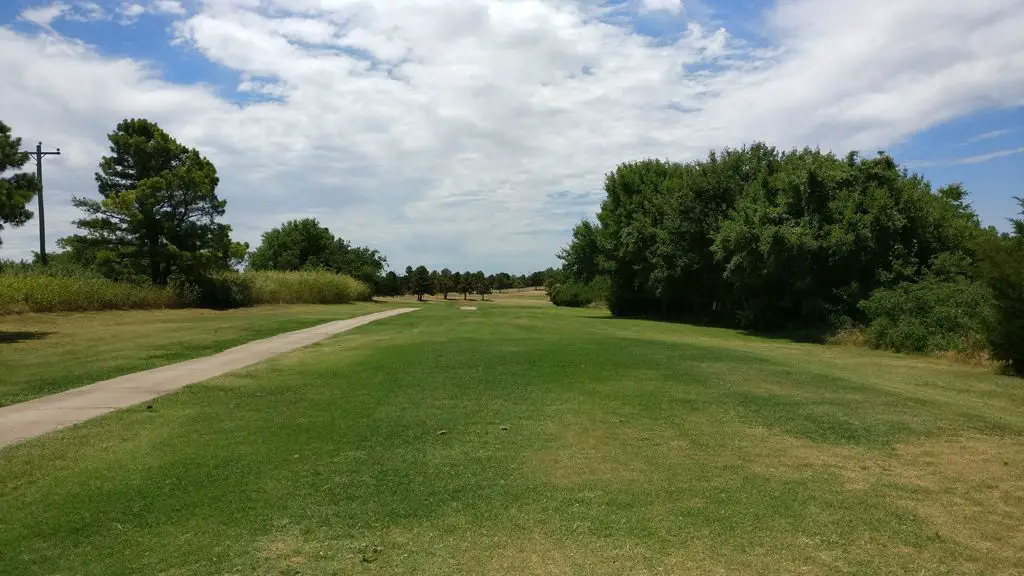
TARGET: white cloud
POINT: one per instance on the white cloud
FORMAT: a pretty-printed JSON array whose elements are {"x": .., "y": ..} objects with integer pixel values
[
  {"x": 169, "y": 7},
  {"x": 79, "y": 11},
  {"x": 673, "y": 6},
  {"x": 130, "y": 12},
  {"x": 44, "y": 15},
  {"x": 446, "y": 132},
  {"x": 986, "y": 136},
  {"x": 982, "y": 158}
]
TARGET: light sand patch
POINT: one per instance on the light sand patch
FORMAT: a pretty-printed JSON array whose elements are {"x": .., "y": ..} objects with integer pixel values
[{"x": 467, "y": 307}]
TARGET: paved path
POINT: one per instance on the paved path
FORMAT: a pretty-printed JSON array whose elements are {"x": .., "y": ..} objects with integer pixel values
[{"x": 42, "y": 415}]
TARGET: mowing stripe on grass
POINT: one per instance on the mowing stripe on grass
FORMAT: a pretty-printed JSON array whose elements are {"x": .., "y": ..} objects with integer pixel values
[{"x": 36, "y": 417}]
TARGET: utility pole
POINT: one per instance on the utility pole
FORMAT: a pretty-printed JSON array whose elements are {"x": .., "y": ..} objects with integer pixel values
[{"x": 38, "y": 155}]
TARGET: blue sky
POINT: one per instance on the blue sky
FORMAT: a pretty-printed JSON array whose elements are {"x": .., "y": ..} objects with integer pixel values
[{"x": 474, "y": 134}]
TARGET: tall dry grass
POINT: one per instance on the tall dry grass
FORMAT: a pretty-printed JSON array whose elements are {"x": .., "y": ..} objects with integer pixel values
[
  {"x": 26, "y": 288},
  {"x": 306, "y": 288},
  {"x": 20, "y": 293}
]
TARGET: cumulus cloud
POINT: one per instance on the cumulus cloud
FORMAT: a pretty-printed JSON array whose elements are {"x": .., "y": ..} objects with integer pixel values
[
  {"x": 474, "y": 133},
  {"x": 44, "y": 15},
  {"x": 673, "y": 6},
  {"x": 169, "y": 7}
]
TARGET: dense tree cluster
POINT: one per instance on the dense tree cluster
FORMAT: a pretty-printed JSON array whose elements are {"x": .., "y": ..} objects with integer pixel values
[{"x": 765, "y": 239}]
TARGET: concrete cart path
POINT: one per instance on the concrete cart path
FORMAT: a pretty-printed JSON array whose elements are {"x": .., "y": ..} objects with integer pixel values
[{"x": 41, "y": 415}]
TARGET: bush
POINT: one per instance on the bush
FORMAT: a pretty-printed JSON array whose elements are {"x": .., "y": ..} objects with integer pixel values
[
  {"x": 220, "y": 291},
  {"x": 576, "y": 295},
  {"x": 306, "y": 288},
  {"x": 27, "y": 291},
  {"x": 929, "y": 316},
  {"x": 1003, "y": 270}
]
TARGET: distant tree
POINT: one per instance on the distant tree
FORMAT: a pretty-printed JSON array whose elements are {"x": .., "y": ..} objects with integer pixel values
[
  {"x": 581, "y": 259},
  {"x": 360, "y": 262},
  {"x": 390, "y": 285},
  {"x": 481, "y": 285},
  {"x": 502, "y": 281},
  {"x": 435, "y": 282},
  {"x": 466, "y": 285},
  {"x": 536, "y": 279},
  {"x": 445, "y": 283},
  {"x": 419, "y": 282},
  {"x": 158, "y": 209},
  {"x": 406, "y": 281},
  {"x": 306, "y": 245},
  {"x": 297, "y": 245},
  {"x": 15, "y": 190}
]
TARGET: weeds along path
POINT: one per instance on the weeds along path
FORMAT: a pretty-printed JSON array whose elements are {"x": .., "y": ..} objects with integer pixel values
[{"x": 36, "y": 417}]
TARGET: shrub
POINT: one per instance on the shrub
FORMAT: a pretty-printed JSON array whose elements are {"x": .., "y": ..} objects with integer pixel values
[
  {"x": 577, "y": 295},
  {"x": 1003, "y": 270},
  {"x": 219, "y": 291},
  {"x": 930, "y": 316},
  {"x": 27, "y": 291},
  {"x": 317, "y": 287}
]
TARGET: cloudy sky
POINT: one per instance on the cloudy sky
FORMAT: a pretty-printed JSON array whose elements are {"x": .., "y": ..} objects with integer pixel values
[{"x": 474, "y": 133}]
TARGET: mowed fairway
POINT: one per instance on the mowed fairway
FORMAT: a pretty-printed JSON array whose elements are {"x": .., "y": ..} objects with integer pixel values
[
  {"x": 43, "y": 354},
  {"x": 536, "y": 440}
]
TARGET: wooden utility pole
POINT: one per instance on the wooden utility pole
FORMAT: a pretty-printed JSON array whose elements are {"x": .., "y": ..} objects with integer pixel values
[{"x": 38, "y": 155}]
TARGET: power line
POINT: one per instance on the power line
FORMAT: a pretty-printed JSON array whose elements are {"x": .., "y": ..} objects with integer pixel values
[{"x": 38, "y": 155}]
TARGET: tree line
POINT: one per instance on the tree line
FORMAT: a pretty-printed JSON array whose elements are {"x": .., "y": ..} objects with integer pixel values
[
  {"x": 157, "y": 218},
  {"x": 764, "y": 239}
]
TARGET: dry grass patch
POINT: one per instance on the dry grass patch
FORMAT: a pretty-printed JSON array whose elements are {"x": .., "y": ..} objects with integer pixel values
[{"x": 969, "y": 490}]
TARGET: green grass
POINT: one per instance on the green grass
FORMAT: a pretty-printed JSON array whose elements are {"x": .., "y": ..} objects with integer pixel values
[
  {"x": 42, "y": 354},
  {"x": 526, "y": 440}
]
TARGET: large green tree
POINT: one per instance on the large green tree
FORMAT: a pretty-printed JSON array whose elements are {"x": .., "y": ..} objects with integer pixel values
[
  {"x": 158, "y": 209},
  {"x": 16, "y": 190},
  {"x": 581, "y": 259},
  {"x": 481, "y": 285},
  {"x": 1002, "y": 268},
  {"x": 445, "y": 282},
  {"x": 296, "y": 245},
  {"x": 419, "y": 282},
  {"x": 304, "y": 244}
]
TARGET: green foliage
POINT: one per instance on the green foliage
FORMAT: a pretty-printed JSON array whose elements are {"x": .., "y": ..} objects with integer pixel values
[
  {"x": 933, "y": 315},
  {"x": 445, "y": 282},
  {"x": 27, "y": 289},
  {"x": 296, "y": 245},
  {"x": 582, "y": 259},
  {"x": 305, "y": 287},
  {"x": 579, "y": 295},
  {"x": 481, "y": 285},
  {"x": 306, "y": 245},
  {"x": 18, "y": 189},
  {"x": 419, "y": 282},
  {"x": 390, "y": 285},
  {"x": 219, "y": 291},
  {"x": 1002, "y": 268},
  {"x": 765, "y": 239},
  {"x": 465, "y": 282},
  {"x": 157, "y": 213}
]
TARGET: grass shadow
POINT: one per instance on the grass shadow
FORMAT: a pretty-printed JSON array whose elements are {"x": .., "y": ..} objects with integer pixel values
[
  {"x": 802, "y": 336},
  {"x": 15, "y": 337}
]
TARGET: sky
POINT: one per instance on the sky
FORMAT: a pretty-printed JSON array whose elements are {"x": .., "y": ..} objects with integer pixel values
[{"x": 473, "y": 134}]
